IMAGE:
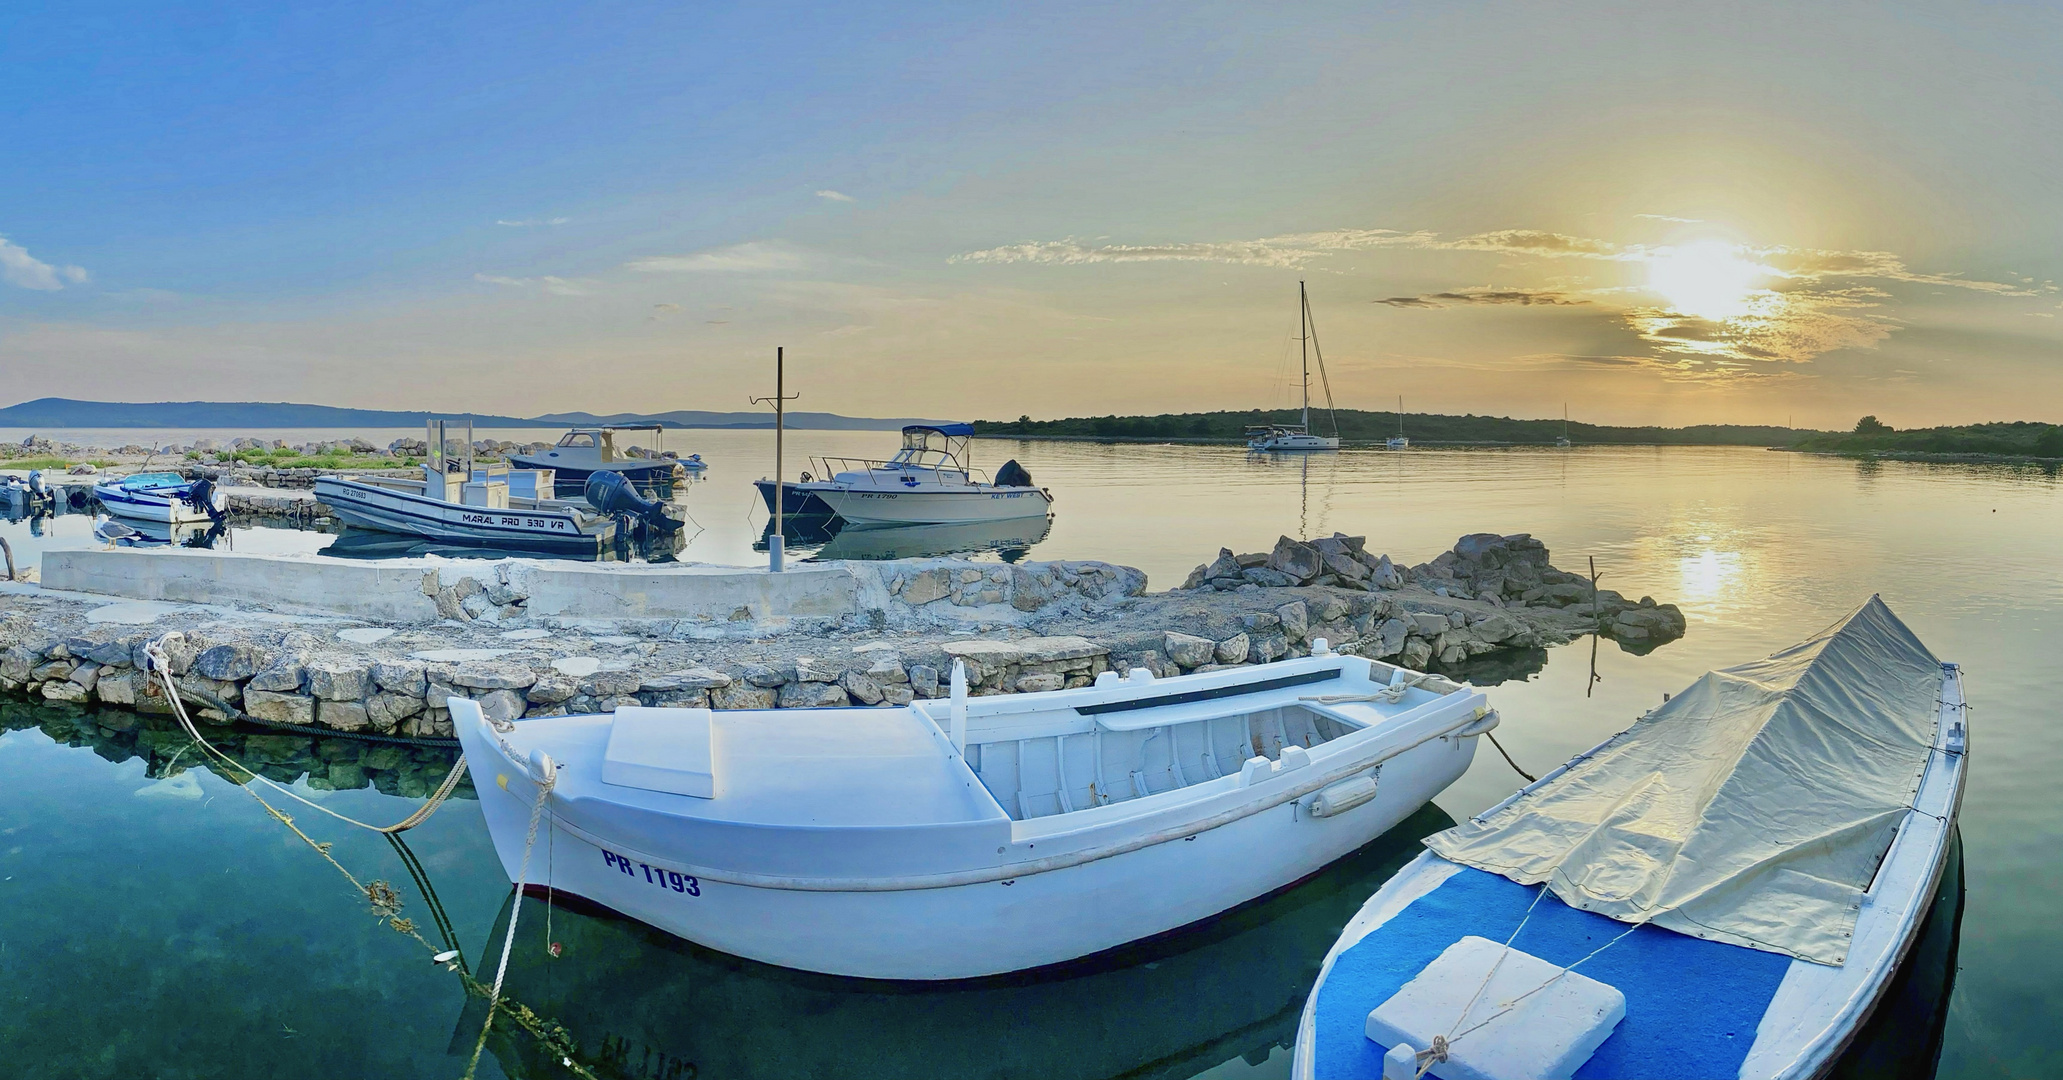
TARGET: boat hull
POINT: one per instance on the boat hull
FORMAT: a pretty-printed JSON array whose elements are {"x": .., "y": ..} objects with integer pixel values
[
  {"x": 959, "y": 931},
  {"x": 866, "y": 506},
  {"x": 795, "y": 501},
  {"x": 149, "y": 506},
  {"x": 386, "y": 510},
  {"x": 652, "y": 477},
  {"x": 1294, "y": 444}
]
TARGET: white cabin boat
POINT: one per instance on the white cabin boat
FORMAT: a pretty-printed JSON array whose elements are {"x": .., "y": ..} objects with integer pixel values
[
  {"x": 956, "y": 838},
  {"x": 165, "y": 498},
  {"x": 584, "y": 451},
  {"x": 928, "y": 482},
  {"x": 1298, "y": 438},
  {"x": 1738, "y": 876}
]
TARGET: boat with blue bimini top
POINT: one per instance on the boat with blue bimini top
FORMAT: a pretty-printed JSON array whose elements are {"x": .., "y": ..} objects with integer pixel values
[
  {"x": 930, "y": 481},
  {"x": 961, "y": 837},
  {"x": 166, "y": 498},
  {"x": 1725, "y": 889}
]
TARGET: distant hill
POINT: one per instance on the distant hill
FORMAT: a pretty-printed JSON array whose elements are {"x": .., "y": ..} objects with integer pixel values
[
  {"x": 1358, "y": 426},
  {"x": 67, "y": 413}
]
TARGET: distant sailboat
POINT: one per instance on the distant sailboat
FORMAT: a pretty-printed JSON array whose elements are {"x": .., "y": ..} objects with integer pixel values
[
  {"x": 1294, "y": 438},
  {"x": 1562, "y": 440},
  {"x": 1398, "y": 441}
]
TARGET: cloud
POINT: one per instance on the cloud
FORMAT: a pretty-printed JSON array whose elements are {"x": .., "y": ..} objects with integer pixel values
[
  {"x": 835, "y": 196},
  {"x": 1666, "y": 217},
  {"x": 557, "y": 286},
  {"x": 1280, "y": 252},
  {"x": 757, "y": 256},
  {"x": 1483, "y": 296},
  {"x": 531, "y": 223},
  {"x": 18, "y": 267}
]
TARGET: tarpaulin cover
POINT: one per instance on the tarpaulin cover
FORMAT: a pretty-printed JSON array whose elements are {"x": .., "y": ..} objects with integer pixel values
[{"x": 1753, "y": 808}]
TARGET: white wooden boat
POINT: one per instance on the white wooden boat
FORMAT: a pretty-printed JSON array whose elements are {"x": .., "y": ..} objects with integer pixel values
[
  {"x": 448, "y": 509},
  {"x": 1298, "y": 438},
  {"x": 166, "y": 498},
  {"x": 928, "y": 482},
  {"x": 1740, "y": 913},
  {"x": 956, "y": 838}
]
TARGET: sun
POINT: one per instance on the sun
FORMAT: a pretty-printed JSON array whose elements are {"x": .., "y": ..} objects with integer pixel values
[{"x": 1709, "y": 279}]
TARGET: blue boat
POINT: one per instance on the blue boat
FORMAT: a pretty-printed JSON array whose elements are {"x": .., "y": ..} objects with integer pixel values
[{"x": 1726, "y": 889}]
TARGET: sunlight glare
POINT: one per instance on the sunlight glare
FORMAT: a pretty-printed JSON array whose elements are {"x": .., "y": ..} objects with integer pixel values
[{"x": 1708, "y": 279}]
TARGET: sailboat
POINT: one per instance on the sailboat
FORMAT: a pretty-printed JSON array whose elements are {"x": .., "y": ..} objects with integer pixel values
[
  {"x": 1296, "y": 438},
  {"x": 1562, "y": 441},
  {"x": 1398, "y": 441}
]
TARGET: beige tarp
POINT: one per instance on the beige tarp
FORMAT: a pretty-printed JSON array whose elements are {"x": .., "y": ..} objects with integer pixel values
[{"x": 1752, "y": 809}]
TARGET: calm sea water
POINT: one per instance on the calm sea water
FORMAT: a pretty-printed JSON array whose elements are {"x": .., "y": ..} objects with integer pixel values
[{"x": 167, "y": 927}]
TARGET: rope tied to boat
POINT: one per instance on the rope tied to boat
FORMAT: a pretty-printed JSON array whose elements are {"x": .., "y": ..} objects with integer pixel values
[
  {"x": 545, "y": 784},
  {"x": 1388, "y": 695},
  {"x": 162, "y": 665},
  {"x": 1426, "y": 1059}
]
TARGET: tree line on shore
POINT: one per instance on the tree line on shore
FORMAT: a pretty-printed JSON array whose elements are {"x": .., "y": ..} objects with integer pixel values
[{"x": 1357, "y": 425}]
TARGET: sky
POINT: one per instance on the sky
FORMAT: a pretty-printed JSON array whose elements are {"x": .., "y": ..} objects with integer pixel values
[{"x": 1696, "y": 213}]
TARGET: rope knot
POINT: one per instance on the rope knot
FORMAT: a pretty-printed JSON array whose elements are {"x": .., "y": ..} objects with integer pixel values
[{"x": 1432, "y": 1055}]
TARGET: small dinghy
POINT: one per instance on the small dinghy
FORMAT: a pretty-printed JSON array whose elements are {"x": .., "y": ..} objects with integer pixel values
[
  {"x": 165, "y": 498},
  {"x": 955, "y": 838},
  {"x": 1725, "y": 889}
]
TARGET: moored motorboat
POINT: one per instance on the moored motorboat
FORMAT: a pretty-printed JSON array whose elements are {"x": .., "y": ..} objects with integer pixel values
[
  {"x": 1727, "y": 888},
  {"x": 928, "y": 482},
  {"x": 954, "y": 838},
  {"x": 166, "y": 498},
  {"x": 584, "y": 451}
]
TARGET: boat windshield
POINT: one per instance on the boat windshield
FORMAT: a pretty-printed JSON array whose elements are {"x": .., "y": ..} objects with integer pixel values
[
  {"x": 931, "y": 448},
  {"x": 582, "y": 439},
  {"x": 156, "y": 479}
]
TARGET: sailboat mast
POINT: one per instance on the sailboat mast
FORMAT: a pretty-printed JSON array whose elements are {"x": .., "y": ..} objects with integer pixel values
[{"x": 1304, "y": 330}]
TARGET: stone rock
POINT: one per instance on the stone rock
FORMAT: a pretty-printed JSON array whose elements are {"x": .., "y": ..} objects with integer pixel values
[
  {"x": 1268, "y": 578},
  {"x": 924, "y": 680},
  {"x": 694, "y": 678},
  {"x": 342, "y": 715},
  {"x": 401, "y": 676},
  {"x": 898, "y": 695},
  {"x": 386, "y": 710},
  {"x": 1393, "y": 635},
  {"x": 229, "y": 663},
  {"x": 1296, "y": 619},
  {"x": 1226, "y": 565},
  {"x": 603, "y": 684},
  {"x": 551, "y": 690},
  {"x": 1268, "y": 647},
  {"x": 64, "y": 690},
  {"x": 1248, "y": 562},
  {"x": 85, "y": 675},
  {"x": 18, "y": 662},
  {"x": 1189, "y": 650},
  {"x": 888, "y": 672},
  {"x": 479, "y": 675},
  {"x": 765, "y": 675},
  {"x": 1429, "y": 623},
  {"x": 284, "y": 675},
  {"x": 339, "y": 679},
  {"x": 502, "y": 704},
  {"x": 1057, "y": 649},
  {"x": 1452, "y": 655},
  {"x": 1233, "y": 649},
  {"x": 927, "y": 586},
  {"x": 1296, "y": 560},
  {"x": 119, "y": 688},
  {"x": 280, "y": 708},
  {"x": 811, "y": 669},
  {"x": 743, "y": 696},
  {"x": 812, "y": 695},
  {"x": 863, "y": 689},
  {"x": 1385, "y": 575},
  {"x": 1029, "y": 684},
  {"x": 1416, "y": 654}
]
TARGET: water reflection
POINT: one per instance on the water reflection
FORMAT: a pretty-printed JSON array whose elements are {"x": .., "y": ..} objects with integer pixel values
[
  {"x": 643, "y": 1004},
  {"x": 825, "y": 539},
  {"x": 146, "y": 534},
  {"x": 328, "y": 763},
  {"x": 355, "y": 543}
]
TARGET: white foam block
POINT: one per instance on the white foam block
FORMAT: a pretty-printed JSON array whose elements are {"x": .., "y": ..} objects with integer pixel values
[
  {"x": 661, "y": 750},
  {"x": 1545, "y": 1035}
]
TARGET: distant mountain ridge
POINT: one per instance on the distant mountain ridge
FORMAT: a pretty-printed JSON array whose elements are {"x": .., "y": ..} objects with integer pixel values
[{"x": 68, "y": 413}]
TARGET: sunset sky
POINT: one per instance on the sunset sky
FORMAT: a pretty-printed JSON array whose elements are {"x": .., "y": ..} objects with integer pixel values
[{"x": 1656, "y": 213}]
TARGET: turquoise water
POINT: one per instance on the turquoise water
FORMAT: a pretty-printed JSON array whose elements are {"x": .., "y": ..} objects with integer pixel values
[{"x": 168, "y": 927}]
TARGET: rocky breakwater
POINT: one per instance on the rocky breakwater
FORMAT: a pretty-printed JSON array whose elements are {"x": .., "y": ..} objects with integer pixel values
[{"x": 1500, "y": 571}]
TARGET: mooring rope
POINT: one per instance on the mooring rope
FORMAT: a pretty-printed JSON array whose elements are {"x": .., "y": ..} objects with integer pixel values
[
  {"x": 155, "y": 651},
  {"x": 545, "y": 783}
]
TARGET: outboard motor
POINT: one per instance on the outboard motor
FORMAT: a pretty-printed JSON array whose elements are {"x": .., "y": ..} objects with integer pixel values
[
  {"x": 202, "y": 497},
  {"x": 36, "y": 483},
  {"x": 609, "y": 493},
  {"x": 1013, "y": 475}
]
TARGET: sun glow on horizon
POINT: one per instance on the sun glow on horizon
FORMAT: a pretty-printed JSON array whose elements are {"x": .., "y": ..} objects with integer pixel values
[{"x": 1708, "y": 279}]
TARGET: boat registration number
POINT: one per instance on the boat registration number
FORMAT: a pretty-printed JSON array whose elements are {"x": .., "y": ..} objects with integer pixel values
[
  {"x": 513, "y": 520},
  {"x": 665, "y": 879}
]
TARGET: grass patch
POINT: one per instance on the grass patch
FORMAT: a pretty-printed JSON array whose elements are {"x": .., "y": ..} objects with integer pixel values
[{"x": 49, "y": 463}]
